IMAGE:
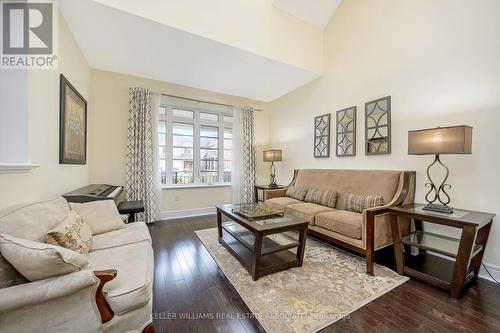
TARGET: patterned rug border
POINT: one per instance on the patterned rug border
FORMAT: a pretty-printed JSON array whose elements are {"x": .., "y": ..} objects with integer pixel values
[{"x": 321, "y": 326}]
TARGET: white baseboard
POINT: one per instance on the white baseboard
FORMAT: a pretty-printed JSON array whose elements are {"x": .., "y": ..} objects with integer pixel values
[
  {"x": 492, "y": 269},
  {"x": 175, "y": 214}
]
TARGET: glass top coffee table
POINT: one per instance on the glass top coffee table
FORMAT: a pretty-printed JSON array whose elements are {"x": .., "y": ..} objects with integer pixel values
[{"x": 262, "y": 244}]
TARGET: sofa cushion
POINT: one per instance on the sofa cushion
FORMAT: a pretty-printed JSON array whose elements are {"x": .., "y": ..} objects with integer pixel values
[
  {"x": 132, "y": 286},
  {"x": 33, "y": 221},
  {"x": 358, "y": 203},
  {"x": 37, "y": 261},
  {"x": 102, "y": 215},
  {"x": 29, "y": 222},
  {"x": 366, "y": 182},
  {"x": 306, "y": 211},
  {"x": 132, "y": 233},
  {"x": 321, "y": 197},
  {"x": 323, "y": 233},
  {"x": 297, "y": 192},
  {"x": 72, "y": 233},
  {"x": 342, "y": 221},
  {"x": 281, "y": 202}
]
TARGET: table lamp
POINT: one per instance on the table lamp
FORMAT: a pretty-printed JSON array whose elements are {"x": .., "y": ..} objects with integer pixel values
[
  {"x": 273, "y": 155},
  {"x": 436, "y": 141}
]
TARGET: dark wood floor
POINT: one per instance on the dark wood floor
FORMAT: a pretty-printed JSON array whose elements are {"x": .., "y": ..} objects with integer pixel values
[{"x": 191, "y": 294}]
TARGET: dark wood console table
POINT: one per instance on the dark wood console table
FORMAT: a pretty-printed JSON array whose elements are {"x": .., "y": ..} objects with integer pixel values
[{"x": 467, "y": 251}]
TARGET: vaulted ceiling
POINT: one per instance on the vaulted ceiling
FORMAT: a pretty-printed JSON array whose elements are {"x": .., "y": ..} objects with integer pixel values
[
  {"x": 315, "y": 12},
  {"x": 257, "y": 51}
]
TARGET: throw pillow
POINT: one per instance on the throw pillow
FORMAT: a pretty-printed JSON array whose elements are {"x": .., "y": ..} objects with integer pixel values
[
  {"x": 358, "y": 203},
  {"x": 297, "y": 192},
  {"x": 38, "y": 261},
  {"x": 102, "y": 216},
  {"x": 322, "y": 197},
  {"x": 72, "y": 233}
]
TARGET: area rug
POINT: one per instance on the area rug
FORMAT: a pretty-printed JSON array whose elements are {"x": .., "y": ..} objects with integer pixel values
[{"x": 330, "y": 284}]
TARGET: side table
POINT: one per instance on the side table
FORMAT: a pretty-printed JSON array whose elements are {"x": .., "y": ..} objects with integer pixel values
[
  {"x": 264, "y": 188},
  {"x": 131, "y": 208},
  {"x": 452, "y": 275}
]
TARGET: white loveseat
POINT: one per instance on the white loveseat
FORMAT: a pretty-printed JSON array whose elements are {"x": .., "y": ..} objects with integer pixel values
[{"x": 113, "y": 293}]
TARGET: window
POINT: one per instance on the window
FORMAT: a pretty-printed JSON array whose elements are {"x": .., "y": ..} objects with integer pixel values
[
  {"x": 209, "y": 154},
  {"x": 228, "y": 148},
  {"x": 183, "y": 113},
  {"x": 182, "y": 153},
  {"x": 194, "y": 144},
  {"x": 209, "y": 116}
]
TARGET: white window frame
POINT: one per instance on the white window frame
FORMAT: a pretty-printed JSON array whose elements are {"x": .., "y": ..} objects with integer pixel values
[{"x": 170, "y": 103}]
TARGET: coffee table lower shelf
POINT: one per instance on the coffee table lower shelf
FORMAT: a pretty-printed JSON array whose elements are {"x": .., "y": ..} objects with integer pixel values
[{"x": 268, "y": 264}]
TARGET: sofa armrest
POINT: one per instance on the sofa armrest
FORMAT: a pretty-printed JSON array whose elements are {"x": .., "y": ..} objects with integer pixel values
[
  {"x": 269, "y": 194},
  {"x": 46, "y": 290},
  {"x": 278, "y": 193},
  {"x": 406, "y": 190},
  {"x": 60, "y": 304},
  {"x": 377, "y": 224},
  {"x": 379, "y": 234},
  {"x": 104, "y": 309}
]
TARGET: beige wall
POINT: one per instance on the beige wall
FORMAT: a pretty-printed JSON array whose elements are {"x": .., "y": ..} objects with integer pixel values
[
  {"x": 108, "y": 135},
  {"x": 439, "y": 60},
  {"x": 256, "y": 26},
  {"x": 50, "y": 179}
]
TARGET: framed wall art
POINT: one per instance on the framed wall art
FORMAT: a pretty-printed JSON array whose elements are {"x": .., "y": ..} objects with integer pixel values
[
  {"x": 346, "y": 132},
  {"x": 72, "y": 125},
  {"x": 322, "y": 136},
  {"x": 378, "y": 126}
]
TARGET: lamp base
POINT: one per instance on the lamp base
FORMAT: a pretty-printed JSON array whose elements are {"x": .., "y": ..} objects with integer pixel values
[
  {"x": 272, "y": 180},
  {"x": 438, "y": 208}
]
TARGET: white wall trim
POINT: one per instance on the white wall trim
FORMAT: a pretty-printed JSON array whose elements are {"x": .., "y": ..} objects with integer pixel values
[
  {"x": 15, "y": 168},
  {"x": 175, "y": 214},
  {"x": 175, "y": 187},
  {"x": 494, "y": 270}
]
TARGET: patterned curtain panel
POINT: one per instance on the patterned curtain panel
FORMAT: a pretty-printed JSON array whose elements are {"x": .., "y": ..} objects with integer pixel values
[
  {"x": 140, "y": 153},
  {"x": 248, "y": 151}
]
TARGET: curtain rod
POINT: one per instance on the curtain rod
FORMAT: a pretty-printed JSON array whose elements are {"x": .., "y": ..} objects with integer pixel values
[{"x": 201, "y": 101}]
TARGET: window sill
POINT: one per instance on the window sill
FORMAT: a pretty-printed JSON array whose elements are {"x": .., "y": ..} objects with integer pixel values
[
  {"x": 17, "y": 168},
  {"x": 174, "y": 187}
]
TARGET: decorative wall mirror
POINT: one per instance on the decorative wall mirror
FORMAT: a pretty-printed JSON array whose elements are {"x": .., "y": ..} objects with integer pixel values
[
  {"x": 346, "y": 132},
  {"x": 378, "y": 126},
  {"x": 322, "y": 136}
]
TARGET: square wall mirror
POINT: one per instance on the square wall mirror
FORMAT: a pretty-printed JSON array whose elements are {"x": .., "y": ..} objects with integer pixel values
[
  {"x": 346, "y": 132},
  {"x": 322, "y": 136},
  {"x": 378, "y": 126}
]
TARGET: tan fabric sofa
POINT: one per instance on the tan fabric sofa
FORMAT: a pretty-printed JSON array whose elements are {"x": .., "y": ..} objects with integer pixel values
[
  {"x": 113, "y": 295},
  {"x": 361, "y": 232}
]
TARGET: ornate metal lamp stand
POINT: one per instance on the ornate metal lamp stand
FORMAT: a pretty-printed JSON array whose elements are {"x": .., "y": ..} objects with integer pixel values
[
  {"x": 438, "y": 192},
  {"x": 272, "y": 182}
]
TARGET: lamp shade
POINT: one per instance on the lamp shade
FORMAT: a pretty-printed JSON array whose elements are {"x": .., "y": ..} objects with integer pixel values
[
  {"x": 272, "y": 155},
  {"x": 440, "y": 140}
]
